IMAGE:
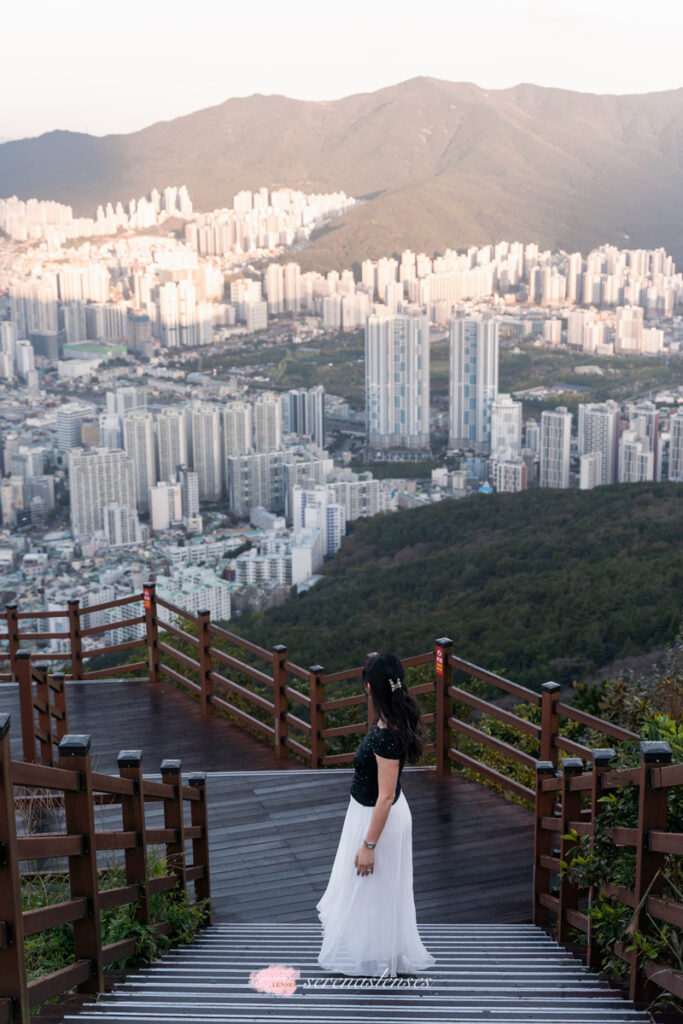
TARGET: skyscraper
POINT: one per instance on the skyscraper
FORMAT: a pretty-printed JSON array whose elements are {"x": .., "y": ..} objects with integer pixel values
[
  {"x": 171, "y": 442},
  {"x": 138, "y": 441},
  {"x": 676, "y": 448},
  {"x": 237, "y": 438},
  {"x": 556, "y": 429},
  {"x": 506, "y": 425},
  {"x": 205, "y": 425},
  {"x": 397, "y": 380},
  {"x": 473, "y": 381},
  {"x": 303, "y": 413},
  {"x": 98, "y": 477},
  {"x": 599, "y": 432},
  {"x": 267, "y": 422}
]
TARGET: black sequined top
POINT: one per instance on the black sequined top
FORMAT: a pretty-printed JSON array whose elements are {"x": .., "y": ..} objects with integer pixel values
[{"x": 386, "y": 743}]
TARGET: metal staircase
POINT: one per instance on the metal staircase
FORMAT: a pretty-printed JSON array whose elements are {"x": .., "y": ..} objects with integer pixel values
[{"x": 513, "y": 974}]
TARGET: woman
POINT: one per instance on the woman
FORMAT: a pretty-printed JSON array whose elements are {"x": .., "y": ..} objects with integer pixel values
[{"x": 368, "y": 909}]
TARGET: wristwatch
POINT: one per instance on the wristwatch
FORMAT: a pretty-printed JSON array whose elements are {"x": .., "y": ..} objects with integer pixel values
[{"x": 370, "y": 846}]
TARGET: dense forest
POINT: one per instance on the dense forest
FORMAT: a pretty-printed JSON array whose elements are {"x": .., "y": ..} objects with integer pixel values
[{"x": 544, "y": 584}]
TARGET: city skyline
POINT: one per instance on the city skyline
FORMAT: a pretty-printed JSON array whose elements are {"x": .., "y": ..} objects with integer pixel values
[{"x": 621, "y": 53}]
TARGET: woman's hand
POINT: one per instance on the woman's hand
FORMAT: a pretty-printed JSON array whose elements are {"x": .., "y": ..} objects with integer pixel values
[{"x": 365, "y": 861}]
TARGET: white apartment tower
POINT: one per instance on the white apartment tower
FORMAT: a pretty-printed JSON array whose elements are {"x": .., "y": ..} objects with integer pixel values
[
  {"x": 267, "y": 422},
  {"x": 473, "y": 381},
  {"x": 599, "y": 432},
  {"x": 165, "y": 505},
  {"x": 205, "y": 426},
  {"x": 676, "y": 448},
  {"x": 237, "y": 428},
  {"x": 138, "y": 441},
  {"x": 98, "y": 477},
  {"x": 506, "y": 425},
  {"x": 636, "y": 458},
  {"x": 556, "y": 429},
  {"x": 171, "y": 442},
  {"x": 397, "y": 380}
]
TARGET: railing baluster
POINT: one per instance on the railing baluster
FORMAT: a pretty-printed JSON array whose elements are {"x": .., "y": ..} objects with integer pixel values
[
  {"x": 174, "y": 818},
  {"x": 602, "y": 758},
  {"x": 149, "y": 600},
  {"x": 571, "y": 811},
  {"x": 317, "y": 717},
  {"x": 24, "y": 675},
  {"x": 12, "y": 636},
  {"x": 443, "y": 673},
  {"x": 543, "y": 840},
  {"x": 200, "y": 846},
  {"x": 74, "y": 754},
  {"x": 44, "y": 731},
  {"x": 133, "y": 820},
  {"x": 13, "y": 980},
  {"x": 550, "y": 722},
  {"x": 652, "y": 810},
  {"x": 204, "y": 658},
  {"x": 59, "y": 700},
  {"x": 280, "y": 701}
]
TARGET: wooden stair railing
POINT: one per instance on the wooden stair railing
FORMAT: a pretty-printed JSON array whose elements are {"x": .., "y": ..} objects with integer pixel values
[{"x": 79, "y": 790}]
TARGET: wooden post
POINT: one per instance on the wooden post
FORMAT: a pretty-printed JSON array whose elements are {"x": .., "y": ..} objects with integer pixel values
[
  {"x": 28, "y": 730},
  {"x": 443, "y": 672},
  {"x": 74, "y": 754},
  {"x": 41, "y": 703},
  {"x": 371, "y": 713},
  {"x": 543, "y": 839},
  {"x": 12, "y": 636},
  {"x": 133, "y": 820},
  {"x": 652, "y": 809},
  {"x": 280, "y": 701},
  {"x": 58, "y": 688},
  {"x": 149, "y": 600},
  {"x": 550, "y": 722},
  {"x": 173, "y": 818},
  {"x": 571, "y": 811},
  {"x": 317, "y": 717},
  {"x": 204, "y": 641},
  {"x": 75, "y": 639},
  {"x": 602, "y": 756},
  {"x": 13, "y": 981},
  {"x": 200, "y": 846}
]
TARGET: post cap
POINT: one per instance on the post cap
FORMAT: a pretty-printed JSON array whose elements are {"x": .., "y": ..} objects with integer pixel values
[
  {"x": 316, "y": 669},
  {"x": 197, "y": 779},
  {"x": 603, "y": 755},
  {"x": 171, "y": 766},
  {"x": 58, "y": 677},
  {"x": 444, "y": 641},
  {"x": 279, "y": 648},
  {"x": 204, "y": 611},
  {"x": 23, "y": 654},
  {"x": 146, "y": 586},
  {"x": 545, "y": 768},
  {"x": 655, "y": 752},
  {"x": 4, "y": 724},
  {"x": 73, "y": 600},
  {"x": 40, "y": 666},
  {"x": 551, "y": 687},
  {"x": 572, "y": 765},
  {"x": 74, "y": 744},
  {"x": 129, "y": 758},
  {"x": 10, "y": 607}
]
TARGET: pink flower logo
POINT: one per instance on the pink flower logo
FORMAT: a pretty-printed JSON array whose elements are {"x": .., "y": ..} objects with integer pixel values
[{"x": 277, "y": 979}]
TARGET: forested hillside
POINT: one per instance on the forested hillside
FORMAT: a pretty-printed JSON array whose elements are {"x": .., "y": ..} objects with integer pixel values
[{"x": 538, "y": 585}]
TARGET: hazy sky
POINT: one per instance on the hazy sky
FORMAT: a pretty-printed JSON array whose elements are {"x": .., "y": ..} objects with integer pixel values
[{"x": 90, "y": 66}]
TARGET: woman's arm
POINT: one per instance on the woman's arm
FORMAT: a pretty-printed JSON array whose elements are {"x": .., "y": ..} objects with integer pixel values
[{"x": 387, "y": 776}]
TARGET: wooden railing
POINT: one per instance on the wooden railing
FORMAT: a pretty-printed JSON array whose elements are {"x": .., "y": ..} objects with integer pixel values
[
  {"x": 78, "y": 789},
  {"x": 560, "y": 822}
]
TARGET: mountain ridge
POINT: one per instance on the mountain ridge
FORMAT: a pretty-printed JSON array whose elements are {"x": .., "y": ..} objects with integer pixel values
[{"x": 447, "y": 164}]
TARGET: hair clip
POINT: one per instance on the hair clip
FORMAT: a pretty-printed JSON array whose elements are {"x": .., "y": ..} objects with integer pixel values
[{"x": 395, "y": 684}]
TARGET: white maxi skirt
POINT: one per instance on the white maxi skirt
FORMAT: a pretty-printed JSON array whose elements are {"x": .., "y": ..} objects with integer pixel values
[{"x": 369, "y": 922}]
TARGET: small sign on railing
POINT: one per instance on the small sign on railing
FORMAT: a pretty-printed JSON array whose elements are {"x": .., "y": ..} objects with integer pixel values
[
  {"x": 439, "y": 661},
  {"x": 146, "y": 598}
]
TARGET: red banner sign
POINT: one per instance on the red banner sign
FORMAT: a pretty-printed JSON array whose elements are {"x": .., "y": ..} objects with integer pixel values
[
  {"x": 147, "y": 598},
  {"x": 439, "y": 661}
]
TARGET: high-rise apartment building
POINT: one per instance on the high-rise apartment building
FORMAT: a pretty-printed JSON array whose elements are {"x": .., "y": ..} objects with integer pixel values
[
  {"x": 556, "y": 429},
  {"x": 138, "y": 442},
  {"x": 98, "y": 477},
  {"x": 636, "y": 458},
  {"x": 506, "y": 425},
  {"x": 189, "y": 492},
  {"x": 643, "y": 417},
  {"x": 205, "y": 426},
  {"x": 70, "y": 418},
  {"x": 267, "y": 422},
  {"x": 303, "y": 413},
  {"x": 171, "y": 442},
  {"x": 317, "y": 508},
  {"x": 397, "y": 380},
  {"x": 165, "y": 505},
  {"x": 237, "y": 432},
  {"x": 599, "y": 432},
  {"x": 473, "y": 381},
  {"x": 676, "y": 448}
]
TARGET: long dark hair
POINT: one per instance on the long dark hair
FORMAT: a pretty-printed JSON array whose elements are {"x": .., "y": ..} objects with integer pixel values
[{"x": 397, "y": 707}]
